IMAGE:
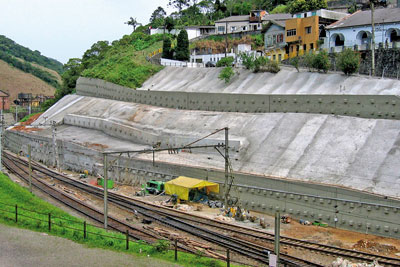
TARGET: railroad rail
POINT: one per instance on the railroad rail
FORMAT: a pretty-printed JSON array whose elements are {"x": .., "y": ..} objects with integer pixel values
[
  {"x": 186, "y": 222},
  {"x": 248, "y": 250}
]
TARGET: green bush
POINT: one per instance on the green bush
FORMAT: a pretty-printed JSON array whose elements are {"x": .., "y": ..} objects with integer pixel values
[
  {"x": 321, "y": 61},
  {"x": 226, "y": 74},
  {"x": 260, "y": 63},
  {"x": 247, "y": 60},
  {"x": 295, "y": 63},
  {"x": 273, "y": 67},
  {"x": 349, "y": 61},
  {"x": 225, "y": 62},
  {"x": 308, "y": 60},
  {"x": 161, "y": 246}
]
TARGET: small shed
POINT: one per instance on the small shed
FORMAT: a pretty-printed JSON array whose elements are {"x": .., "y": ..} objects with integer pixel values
[{"x": 182, "y": 185}]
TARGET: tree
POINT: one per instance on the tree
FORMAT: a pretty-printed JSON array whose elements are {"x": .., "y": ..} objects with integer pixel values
[
  {"x": 182, "y": 48},
  {"x": 96, "y": 53},
  {"x": 73, "y": 69},
  {"x": 349, "y": 61},
  {"x": 179, "y": 4},
  {"x": 167, "y": 50},
  {"x": 133, "y": 22},
  {"x": 296, "y": 6},
  {"x": 169, "y": 24},
  {"x": 157, "y": 17}
]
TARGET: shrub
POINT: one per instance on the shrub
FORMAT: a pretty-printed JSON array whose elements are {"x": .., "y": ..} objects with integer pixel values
[
  {"x": 321, "y": 61},
  {"x": 260, "y": 63},
  {"x": 167, "y": 51},
  {"x": 182, "y": 48},
  {"x": 308, "y": 60},
  {"x": 295, "y": 63},
  {"x": 226, "y": 74},
  {"x": 273, "y": 67},
  {"x": 349, "y": 61},
  {"x": 161, "y": 246},
  {"x": 225, "y": 62},
  {"x": 247, "y": 60}
]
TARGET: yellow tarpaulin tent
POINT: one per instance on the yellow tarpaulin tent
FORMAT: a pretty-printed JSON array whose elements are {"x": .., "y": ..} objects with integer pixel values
[{"x": 182, "y": 185}]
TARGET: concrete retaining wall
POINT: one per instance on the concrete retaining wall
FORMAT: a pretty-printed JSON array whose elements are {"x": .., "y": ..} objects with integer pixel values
[
  {"x": 363, "y": 106},
  {"x": 137, "y": 135},
  {"x": 355, "y": 210}
]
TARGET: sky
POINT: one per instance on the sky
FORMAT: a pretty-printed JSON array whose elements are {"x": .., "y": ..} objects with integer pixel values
[{"x": 64, "y": 29}]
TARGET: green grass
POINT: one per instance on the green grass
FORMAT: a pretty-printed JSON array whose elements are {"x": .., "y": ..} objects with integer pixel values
[
  {"x": 29, "y": 205},
  {"x": 125, "y": 62}
]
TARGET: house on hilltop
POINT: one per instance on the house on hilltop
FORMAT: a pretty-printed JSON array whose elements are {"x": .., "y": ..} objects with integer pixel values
[
  {"x": 305, "y": 31},
  {"x": 355, "y": 31},
  {"x": 274, "y": 35},
  {"x": 244, "y": 23}
]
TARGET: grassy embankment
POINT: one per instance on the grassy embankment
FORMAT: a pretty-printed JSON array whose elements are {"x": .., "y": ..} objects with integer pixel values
[
  {"x": 37, "y": 211},
  {"x": 125, "y": 63}
]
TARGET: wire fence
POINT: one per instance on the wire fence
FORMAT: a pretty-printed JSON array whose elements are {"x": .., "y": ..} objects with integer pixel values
[{"x": 21, "y": 215}]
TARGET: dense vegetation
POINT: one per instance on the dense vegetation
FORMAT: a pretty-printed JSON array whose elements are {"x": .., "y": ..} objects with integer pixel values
[
  {"x": 33, "y": 214},
  {"x": 11, "y": 48},
  {"x": 206, "y": 12},
  {"x": 123, "y": 62}
]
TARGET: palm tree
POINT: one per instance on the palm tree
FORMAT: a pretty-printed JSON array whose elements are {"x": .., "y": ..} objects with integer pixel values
[{"x": 133, "y": 22}]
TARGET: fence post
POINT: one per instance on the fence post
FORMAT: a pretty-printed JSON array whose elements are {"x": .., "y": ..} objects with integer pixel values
[
  {"x": 16, "y": 213},
  {"x": 49, "y": 222},
  {"x": 127, "y": 239},
  {"x": 84, "y": 230},
  {"x": 228, "y": 260},
  {"x": 176, "y": 249}
]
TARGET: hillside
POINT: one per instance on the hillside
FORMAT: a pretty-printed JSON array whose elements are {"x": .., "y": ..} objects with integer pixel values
[
  {"x": 124, "y": 62},
  {"x": 14, "y": 81},
  {"x": 13, "y": 49}
]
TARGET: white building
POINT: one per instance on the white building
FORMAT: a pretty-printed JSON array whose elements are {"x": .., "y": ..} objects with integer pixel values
[
  {"x": 193, "y": 31},
  {"x": 355, "y": 31},
  {"x": 251, "y": 22}
]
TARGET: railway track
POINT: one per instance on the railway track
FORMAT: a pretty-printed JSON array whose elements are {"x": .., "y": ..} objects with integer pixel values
[{"x": 186, "y": 222}]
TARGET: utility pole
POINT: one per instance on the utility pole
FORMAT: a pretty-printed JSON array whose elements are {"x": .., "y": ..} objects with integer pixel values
[
  {"x": 373, "y": 39},
  {"x": 226, "y": 37},
  {"x": 56, "y": 156},
  {"x": 226, "y": 156},
  {"x": 105, "y": 189},
  {"x": 30, "y": 167},
  {"x": 277, "y": 236}
]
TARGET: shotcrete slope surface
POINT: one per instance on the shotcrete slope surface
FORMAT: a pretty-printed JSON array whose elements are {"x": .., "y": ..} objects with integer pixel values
[
  {"x": 287, "y": 81},
  {"x": 357, "y": 153}
]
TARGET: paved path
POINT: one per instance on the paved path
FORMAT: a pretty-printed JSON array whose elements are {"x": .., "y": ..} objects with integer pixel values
[{"x": 19, "y": 247}]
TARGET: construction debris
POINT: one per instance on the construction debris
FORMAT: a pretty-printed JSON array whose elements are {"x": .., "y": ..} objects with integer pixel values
[{"x": 339, "y": 262}]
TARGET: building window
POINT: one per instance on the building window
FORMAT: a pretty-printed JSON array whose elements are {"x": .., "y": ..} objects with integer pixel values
[
  {"x": 233, "y": 28},
  {"x": 304, "y": 47},
  {"x": 274, "y": 57},
  {"x": 291, "y": 49},
  {"x": 279, "y": 57},
  {"x": 291, "y": 32},
  {"x": 279, "y": 38},
  {"x": 305, "y": 15},
  {"x": 311, "y": 46},
  {"x": 308, "y": 30},
  {"x": 221, "y": 28},
  {"x": 244, "y": 28}
]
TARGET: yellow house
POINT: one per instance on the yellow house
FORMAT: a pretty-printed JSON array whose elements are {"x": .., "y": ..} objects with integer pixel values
[{"x": 305, "y": 30}]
